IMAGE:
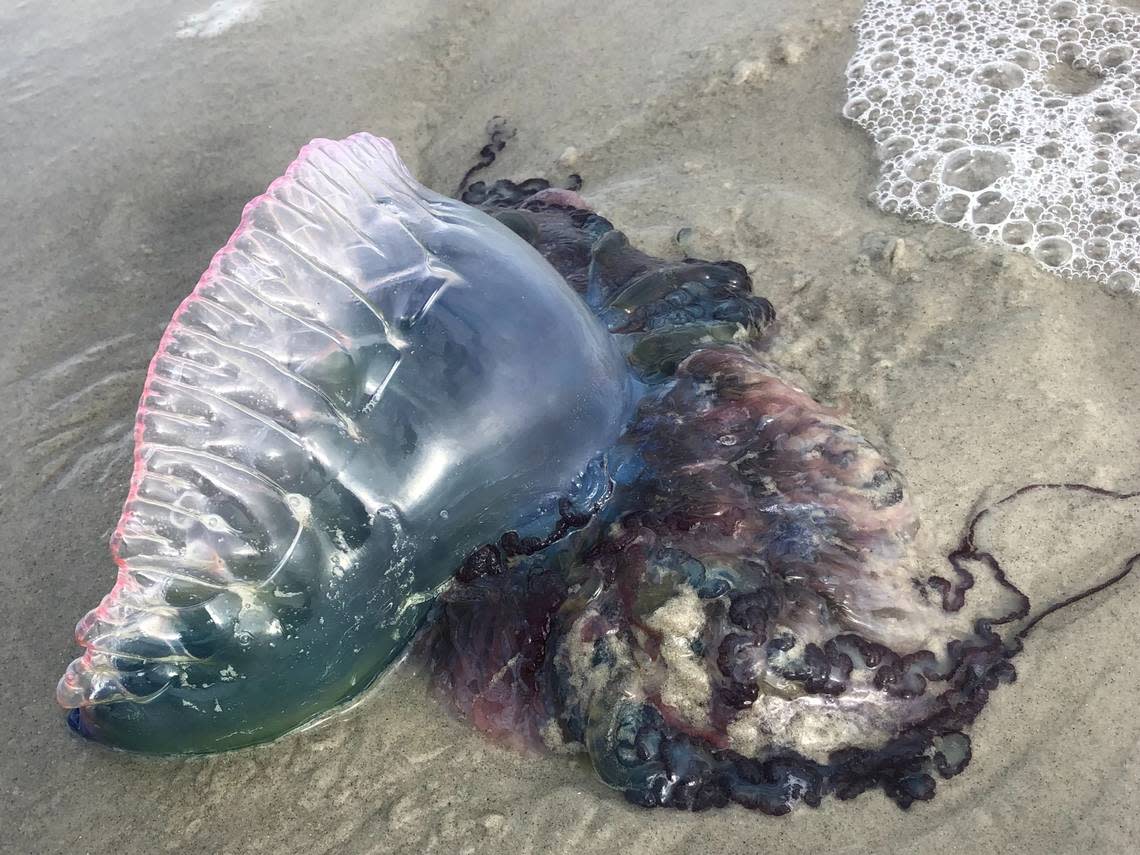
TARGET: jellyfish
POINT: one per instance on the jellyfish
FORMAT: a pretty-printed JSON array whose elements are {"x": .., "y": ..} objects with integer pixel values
[{"x": 571, "y": 467}]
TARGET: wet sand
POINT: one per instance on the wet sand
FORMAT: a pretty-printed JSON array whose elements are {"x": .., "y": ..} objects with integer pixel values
[{"x": 133, "y": 138}]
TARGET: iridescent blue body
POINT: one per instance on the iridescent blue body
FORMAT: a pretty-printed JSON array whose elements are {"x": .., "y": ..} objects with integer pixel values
[{"x": 349, "y": 402}]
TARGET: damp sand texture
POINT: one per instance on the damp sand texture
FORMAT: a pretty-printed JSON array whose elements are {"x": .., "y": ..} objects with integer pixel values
[{"x": 132, "y": 147}]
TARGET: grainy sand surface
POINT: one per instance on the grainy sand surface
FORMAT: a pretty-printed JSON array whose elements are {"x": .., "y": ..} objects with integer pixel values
[{"x": 134, "y": 135}]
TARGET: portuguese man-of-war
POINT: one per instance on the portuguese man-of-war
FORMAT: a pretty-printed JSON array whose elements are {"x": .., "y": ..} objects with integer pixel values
[{"x": 620, "y": 526}]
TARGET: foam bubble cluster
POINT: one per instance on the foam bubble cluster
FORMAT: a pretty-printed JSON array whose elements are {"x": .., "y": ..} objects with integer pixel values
[{"x": 1016, "y": 120}]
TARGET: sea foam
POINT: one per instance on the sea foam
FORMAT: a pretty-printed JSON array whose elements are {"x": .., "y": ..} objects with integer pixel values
[{"x": 1013, "y": 119}]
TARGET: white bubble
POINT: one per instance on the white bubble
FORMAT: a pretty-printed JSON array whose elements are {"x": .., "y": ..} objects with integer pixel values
[
  {"x": 920, "y": 167},
  {"x": 1017, "y": 232},
  {"x": 902, "y": 189},
  {"x": 884, "y": 61},
  {"x": 1104, "y": 185},
  {"x": 975, "y": 169},
  {"x": 856, "y": 107},
  {"x": 927, "y": 193},
  {"x": 1114, "y": 55},
  {"x": 1063, "y": 11},
  {"x": 953, "y": 208},
  {"x": 1121, "y": 280},
  {"x": 895, "y": 147},
  {"x": 1053, "y": 251},
  {"x": 1027, "y": 60},
  {"x": 1000, "y": 75},
  {"x": 991, "y": 208},
  {"x": 1111, "y": 119},
  {"x": 1097, "y": 249}
]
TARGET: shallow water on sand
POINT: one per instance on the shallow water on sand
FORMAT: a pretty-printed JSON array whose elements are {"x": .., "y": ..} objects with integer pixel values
[{"x": 133, "y": 136}]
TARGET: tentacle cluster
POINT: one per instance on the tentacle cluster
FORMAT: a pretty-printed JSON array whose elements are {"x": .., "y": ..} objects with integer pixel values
[{"x": 745, "y": 620}]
